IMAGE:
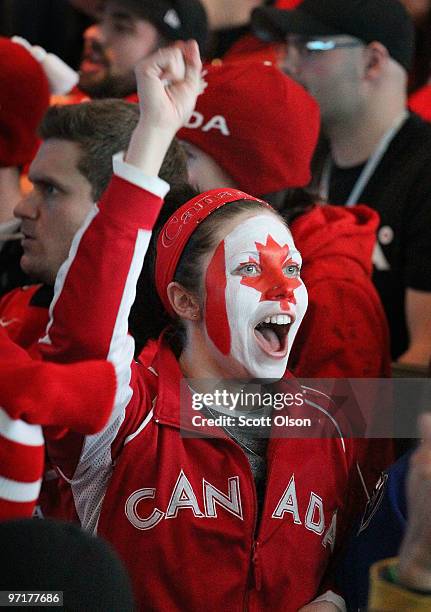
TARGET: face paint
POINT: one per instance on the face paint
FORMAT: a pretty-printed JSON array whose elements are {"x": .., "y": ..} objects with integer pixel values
[
  {"x": 216, "y": 319},
  {"x": 255, "y": 299}
]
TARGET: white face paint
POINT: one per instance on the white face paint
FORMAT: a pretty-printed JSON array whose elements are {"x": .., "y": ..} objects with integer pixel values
[{"x": 255, "y": 299}]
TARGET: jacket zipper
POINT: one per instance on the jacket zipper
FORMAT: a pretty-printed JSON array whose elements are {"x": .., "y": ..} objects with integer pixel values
[
  {"x": 255, "y": 571},
  {"x": 254, "y": 578}
]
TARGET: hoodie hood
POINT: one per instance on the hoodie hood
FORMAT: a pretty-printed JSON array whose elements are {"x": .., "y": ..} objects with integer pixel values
[
  {"x": 344, "y": 333},
  {"x": 328, "y": 235}
]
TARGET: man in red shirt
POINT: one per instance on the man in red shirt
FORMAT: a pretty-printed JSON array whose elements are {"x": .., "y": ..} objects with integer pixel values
[{"x": 69, "y": 173}]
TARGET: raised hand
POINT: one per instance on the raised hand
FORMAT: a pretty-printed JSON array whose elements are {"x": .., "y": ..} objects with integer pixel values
[{"x": 168, "y": 84}]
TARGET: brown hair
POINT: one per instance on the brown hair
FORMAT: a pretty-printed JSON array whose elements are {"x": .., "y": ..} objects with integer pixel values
[{"x": 102, "y": 128}]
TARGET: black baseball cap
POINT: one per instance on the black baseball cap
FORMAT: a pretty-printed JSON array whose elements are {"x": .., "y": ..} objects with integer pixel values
[
  {"x": 174, "y": 19},
  {"x": 385, "y": 21}
]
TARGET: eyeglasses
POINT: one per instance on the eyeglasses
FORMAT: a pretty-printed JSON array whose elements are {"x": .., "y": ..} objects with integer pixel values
[{"x": 307, "y": 47}]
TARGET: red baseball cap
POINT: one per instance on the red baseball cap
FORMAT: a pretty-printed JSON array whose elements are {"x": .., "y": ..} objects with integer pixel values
[{"x": 258, "y": 124}]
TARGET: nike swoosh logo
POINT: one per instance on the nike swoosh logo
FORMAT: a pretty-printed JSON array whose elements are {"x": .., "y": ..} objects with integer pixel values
[{"x": 5, "y": 322}]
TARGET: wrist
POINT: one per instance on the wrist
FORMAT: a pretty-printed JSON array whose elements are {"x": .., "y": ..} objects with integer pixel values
[{"x": 148, "y": 147}]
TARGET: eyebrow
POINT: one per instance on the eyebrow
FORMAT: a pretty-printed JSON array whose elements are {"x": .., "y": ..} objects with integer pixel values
[
  {"x": 254, "y": 252},
  {"x": 41, "y": 179},
  {"x": 121, "y": 16},
  {"x": 295, "y": 256}
]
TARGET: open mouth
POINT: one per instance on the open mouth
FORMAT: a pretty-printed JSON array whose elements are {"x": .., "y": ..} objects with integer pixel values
[{"x": 271, "y": 334}]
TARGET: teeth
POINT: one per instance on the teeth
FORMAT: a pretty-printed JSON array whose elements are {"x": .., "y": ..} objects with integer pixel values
[{"x": 278, "y": 319}]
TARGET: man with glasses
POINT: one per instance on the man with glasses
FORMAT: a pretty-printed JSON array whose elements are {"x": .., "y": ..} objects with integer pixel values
[{"x": 354, "y": 56}]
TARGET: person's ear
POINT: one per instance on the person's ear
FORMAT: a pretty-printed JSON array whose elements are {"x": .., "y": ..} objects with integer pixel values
[
  {"x": 376, "y": 58},
  {"x": 184, "y": 303}
]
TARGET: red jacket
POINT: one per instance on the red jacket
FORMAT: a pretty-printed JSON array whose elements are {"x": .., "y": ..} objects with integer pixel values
[
  {"x": 181, "y": 511},
  {"x": 344, "y": 333},
  {"x": 24, "y": 315},
  {"x": 289, "y": 554}
]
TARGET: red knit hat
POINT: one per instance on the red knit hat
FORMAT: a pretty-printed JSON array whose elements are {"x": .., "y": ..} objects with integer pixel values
[
  {"x": 249, "y": 48},
  {"x": 258, "y": 124},
  {"x": 24, "y": 98}
]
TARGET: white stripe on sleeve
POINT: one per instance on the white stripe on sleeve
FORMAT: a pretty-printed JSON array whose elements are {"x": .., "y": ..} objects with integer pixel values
[
  {"x": 14, "y": 491},
  {"x": 16, "y": 430},
  {"x": 133, "y": 175}
]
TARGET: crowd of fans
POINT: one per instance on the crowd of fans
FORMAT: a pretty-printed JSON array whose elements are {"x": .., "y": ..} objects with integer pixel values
[{"x": 235, "y": 192}]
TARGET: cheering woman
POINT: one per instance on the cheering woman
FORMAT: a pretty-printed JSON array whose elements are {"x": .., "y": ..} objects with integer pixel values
[{"x": 183, "y": 511}]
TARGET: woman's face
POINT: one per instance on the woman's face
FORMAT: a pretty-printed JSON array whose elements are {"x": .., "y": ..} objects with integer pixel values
[{"x": 254, "y": 297}]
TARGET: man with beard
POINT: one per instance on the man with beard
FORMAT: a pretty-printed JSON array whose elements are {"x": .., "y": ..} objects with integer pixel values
[
  {"x": 94, "y": 66},
  {"x": 128, "y": 31}
]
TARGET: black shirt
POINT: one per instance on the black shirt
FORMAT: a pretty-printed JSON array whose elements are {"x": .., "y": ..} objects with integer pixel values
[
  {"x": 11, "y": 275},
  {"x": 400, "y": 191}
]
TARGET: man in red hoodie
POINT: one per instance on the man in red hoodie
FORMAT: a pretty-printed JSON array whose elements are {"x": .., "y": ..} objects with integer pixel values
[{"x": 69, "y": 173}]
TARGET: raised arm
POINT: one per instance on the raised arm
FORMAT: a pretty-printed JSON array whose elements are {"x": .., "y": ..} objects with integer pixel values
[{"x": 95, "y": 287}]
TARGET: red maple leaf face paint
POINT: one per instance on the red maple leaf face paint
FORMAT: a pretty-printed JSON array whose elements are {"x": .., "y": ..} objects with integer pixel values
[
  {"x": 278, "y": 273},
  {"x": 255, "y": 299}
]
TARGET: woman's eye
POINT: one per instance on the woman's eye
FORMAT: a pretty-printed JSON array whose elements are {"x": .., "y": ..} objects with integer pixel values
[
  {"x": 292, "y": 271},
  {"x": 249, "y": 269}
]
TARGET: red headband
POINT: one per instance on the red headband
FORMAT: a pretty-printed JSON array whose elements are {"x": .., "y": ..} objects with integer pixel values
[{"x": 180, "y": 226}]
